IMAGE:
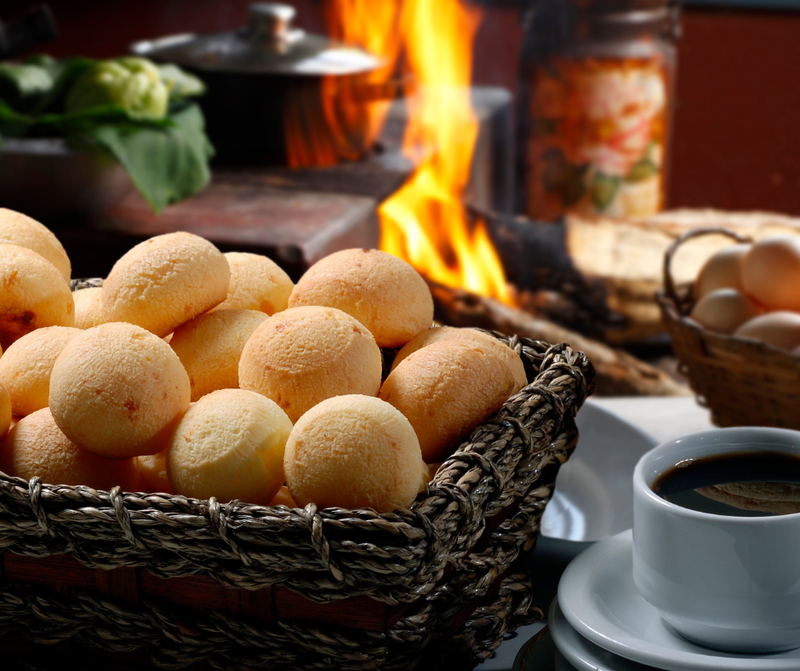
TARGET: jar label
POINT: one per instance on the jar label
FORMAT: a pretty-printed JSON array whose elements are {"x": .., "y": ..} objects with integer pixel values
[{"x": 597, "y": 137}]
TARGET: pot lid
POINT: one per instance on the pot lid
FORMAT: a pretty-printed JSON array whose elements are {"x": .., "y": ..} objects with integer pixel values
[{"x": 269, "y": 44}]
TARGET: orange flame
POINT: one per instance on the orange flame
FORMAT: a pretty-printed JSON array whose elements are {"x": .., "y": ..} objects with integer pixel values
[{"x": 425, "y": 222}]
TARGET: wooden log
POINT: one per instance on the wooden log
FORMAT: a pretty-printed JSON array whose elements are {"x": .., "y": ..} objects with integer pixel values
[{"x": 618, "y": 372}]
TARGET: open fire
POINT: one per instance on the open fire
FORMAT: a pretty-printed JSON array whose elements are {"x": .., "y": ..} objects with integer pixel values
[{"x": 425, "y": 222}]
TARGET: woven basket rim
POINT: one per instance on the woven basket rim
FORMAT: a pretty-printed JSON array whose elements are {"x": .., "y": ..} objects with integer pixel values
[
  {"x": 236, "y": 542},
  {"x": 723, "y": 341}
]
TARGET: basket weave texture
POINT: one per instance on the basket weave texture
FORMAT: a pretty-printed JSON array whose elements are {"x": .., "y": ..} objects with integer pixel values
[
  {"x": 743, "y": 382},
  {"x": 434, "y": 557}
]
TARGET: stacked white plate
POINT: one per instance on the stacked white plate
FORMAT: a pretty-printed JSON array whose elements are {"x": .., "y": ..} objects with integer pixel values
[{"x": 599, "y": 622}]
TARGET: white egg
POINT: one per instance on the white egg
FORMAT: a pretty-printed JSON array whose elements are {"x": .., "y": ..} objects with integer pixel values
[
  {"x": 724, "y": 310},
  {"x": 771, "y": 272},
  {"x": 723, "y": 270},
  {"x": 780, "y": 329}
]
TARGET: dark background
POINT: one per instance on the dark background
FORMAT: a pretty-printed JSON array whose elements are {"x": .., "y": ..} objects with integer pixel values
[{"x": 736, "y": 143}]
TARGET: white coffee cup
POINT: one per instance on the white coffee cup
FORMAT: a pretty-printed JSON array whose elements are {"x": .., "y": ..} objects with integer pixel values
[{"x": 726, "y": 582}]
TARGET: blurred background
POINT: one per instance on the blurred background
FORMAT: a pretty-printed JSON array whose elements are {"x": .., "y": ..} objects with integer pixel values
[{"x": 736, "y": 138}]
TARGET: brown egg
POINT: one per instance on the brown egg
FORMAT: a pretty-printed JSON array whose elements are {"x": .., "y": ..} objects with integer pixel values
[
  {"x": 723, "y": 270},
  {"x": 724, "y": 310},
  {"x": 780, "y": 329},
  {"x": 771, "y": 272}
]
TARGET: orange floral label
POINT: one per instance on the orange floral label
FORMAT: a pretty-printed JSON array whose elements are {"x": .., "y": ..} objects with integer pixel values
[{"x": 596, "y": 144}]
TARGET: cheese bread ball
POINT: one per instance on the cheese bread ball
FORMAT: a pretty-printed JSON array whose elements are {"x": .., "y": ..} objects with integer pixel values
[
  {"x": 257, "y": 283},
  {"x": 283, "y": 498},
  {"x": 165, "y": 281},
  {"x": 34, "y": 294},
  {"x": 20, "y": 229},
  {"x": 445, "y": 390},
  {"x": 37, "y": 447},
  {"x": 88, "y": 307},
  {"x": 118, "y": 390},
  {"x": 302, "y": 356},
  {"x": 7, "y": 419},
  {"x": 493, "y": 347},
  {"x": 209, "y": 347},
  {"x": 152, "y": 472},
  {"x": 229, "y": 445},
  {"x": 381, "y": 291},
  {"x": 26, "y": 366},
  {"x": 354, "y": 452}
]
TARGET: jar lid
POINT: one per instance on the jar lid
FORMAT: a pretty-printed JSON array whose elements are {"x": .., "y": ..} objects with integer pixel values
[
  {"x": 556, "y": 22},
  {"x": 269, "y": 44}
]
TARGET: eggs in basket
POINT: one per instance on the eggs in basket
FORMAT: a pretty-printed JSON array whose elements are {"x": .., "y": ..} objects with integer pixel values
[
  {"x": 750, "y": 290},
  {"x": 207, "y": 374}
]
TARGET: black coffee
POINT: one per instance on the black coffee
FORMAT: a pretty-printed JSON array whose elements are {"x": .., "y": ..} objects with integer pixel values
[{"x": 750, "y": 484}]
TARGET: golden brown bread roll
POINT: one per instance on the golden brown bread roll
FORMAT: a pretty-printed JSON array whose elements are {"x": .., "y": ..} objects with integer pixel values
[
  {"x": 19, "y": 229},
  {"x": 302, "y": 356},
  {"x": 88, "y": 307},
  {"x": 165, "y": 281},
  {"x": 445, "y": 390},
  {"x": 26, "y": 366},
  {"x": 34, "y": 294},
  {"x": 118, "y": 390},
  {"x": 37, "y": 447},
  {"x": 354, "y": 452},
  {"x": 229, "y": 445},
  {"x": 492, "y": 347},
  {"x": 257, "y": 283},
  {"x": 210, "y": 346},
  {"x": 381, "y": 291}
]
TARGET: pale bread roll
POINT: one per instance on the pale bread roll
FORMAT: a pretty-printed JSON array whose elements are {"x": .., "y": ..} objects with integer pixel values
[
  {"x": 283, "y": 498},
  {"x": 26, "y": 366},
  {"x": 37, "y": 447},
  {"x": 210, "y": 345},
  {"x": 445, "y": 390},
  {"x": 302, "y": 356},
  {"x": 118, "y": 390},
  {"x": 381, "y": 291},
  {"x": 229, "y": 445},
  {"x": 165, "y": 281},
  {"x": 493, "y": 347},
  {"x": 20, "y": 229},
  {"x": 34, "y": 294},
  {"x": 257, "y": 283},
  {"x": 88, "y": 307},
  {"x": 152, "y": 472},
  {"x": 354, "y": 452}
]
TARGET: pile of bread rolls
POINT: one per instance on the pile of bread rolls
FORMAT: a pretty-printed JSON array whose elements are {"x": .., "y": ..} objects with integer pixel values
[
  {"x": 206, "y": 374},
  {"x": 750, "y": 290}
]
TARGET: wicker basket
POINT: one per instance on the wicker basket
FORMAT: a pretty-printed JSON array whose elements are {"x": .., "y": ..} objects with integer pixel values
[
  {"x": 178, "y": 580},
  {"x": 743, "y": 382}
]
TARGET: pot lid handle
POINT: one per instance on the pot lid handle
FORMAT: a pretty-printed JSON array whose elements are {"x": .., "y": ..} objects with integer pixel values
[{"x": 271, "y": 22}]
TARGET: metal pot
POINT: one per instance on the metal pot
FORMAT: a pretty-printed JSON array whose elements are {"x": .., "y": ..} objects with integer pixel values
[{"x": 268, "y": 81}]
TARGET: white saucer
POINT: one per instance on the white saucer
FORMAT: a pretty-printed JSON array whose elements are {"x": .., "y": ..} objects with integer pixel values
[
  {"x": 582, "y": 654},
  {"x": 593, "y": 498},
  {"x": 599, "y": 600}
]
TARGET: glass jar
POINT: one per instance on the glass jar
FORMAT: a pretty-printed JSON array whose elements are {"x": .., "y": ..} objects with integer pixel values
[{"x": 596, "y": 96}]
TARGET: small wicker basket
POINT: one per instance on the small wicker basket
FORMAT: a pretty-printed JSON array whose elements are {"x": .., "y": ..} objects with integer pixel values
[
  {"x": 236, "y": 586},
  {"x": 743, "y": 382}
]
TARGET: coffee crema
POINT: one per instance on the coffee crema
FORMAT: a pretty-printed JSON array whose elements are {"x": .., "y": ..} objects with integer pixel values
[{"x": 744, "y": 484}]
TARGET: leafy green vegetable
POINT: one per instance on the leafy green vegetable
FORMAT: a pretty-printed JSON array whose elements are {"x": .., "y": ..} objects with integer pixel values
[
  {"x": 132, "y": 83},
  {"x": 181, "y": 84},
  {"x": 166, "y": 164},
  {"x": 128, "y": 106}
]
